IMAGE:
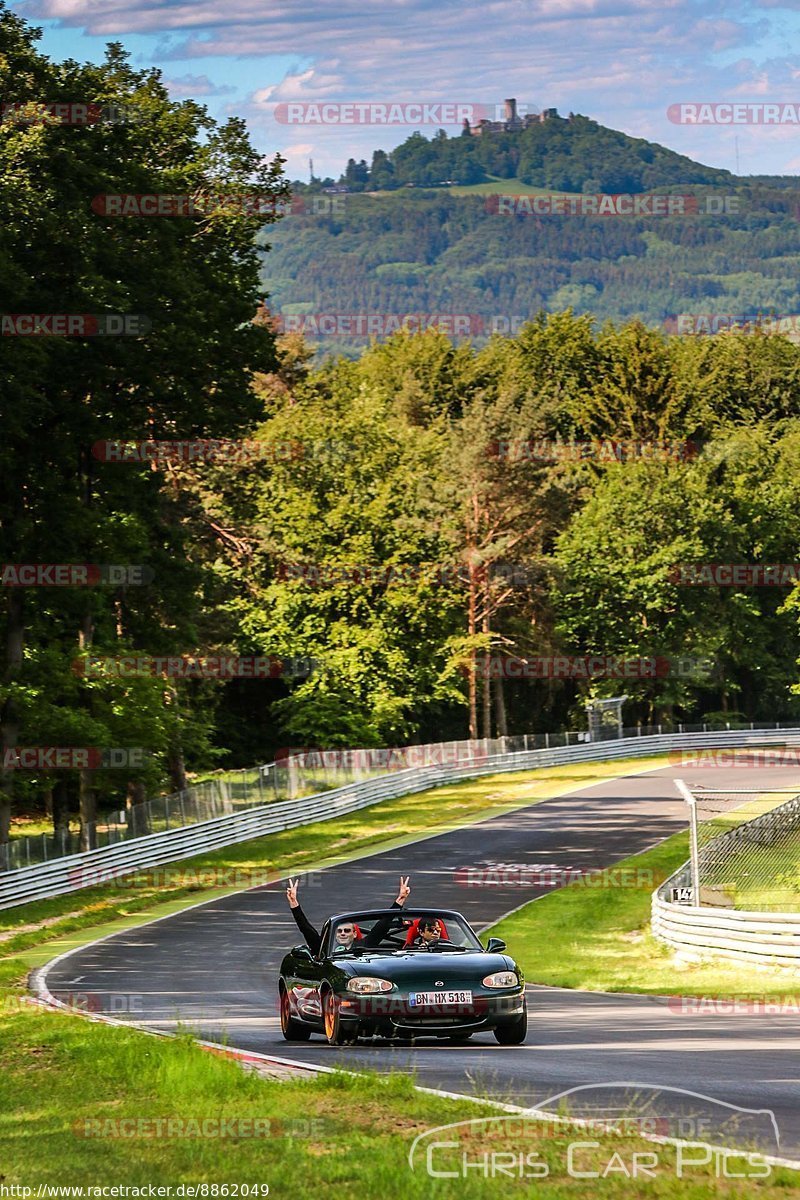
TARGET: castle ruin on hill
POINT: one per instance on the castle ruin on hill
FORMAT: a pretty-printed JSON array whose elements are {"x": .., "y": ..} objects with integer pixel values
[{"x": 512, "y": 121}]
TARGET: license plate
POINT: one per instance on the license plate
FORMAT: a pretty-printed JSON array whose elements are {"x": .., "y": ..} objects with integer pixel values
[{"x": 416, "y": 999}]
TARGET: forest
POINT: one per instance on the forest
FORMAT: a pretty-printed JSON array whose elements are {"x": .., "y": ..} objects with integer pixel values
[
  {"x": 215, "y": 545},
  {"x": 731, "y": 253}
]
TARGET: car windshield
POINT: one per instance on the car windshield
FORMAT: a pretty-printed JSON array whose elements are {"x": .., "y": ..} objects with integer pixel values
[{"x": 406, "y": 931}]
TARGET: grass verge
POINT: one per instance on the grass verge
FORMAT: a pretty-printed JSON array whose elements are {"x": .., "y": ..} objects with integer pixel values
[
  {"x": 82, "y": 1104},
  {"x": 598, "y": 939}
]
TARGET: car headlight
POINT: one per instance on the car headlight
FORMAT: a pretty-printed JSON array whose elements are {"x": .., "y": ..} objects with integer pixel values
[
  {"x": 502, "y": 979},
  {"x": 367, "y": 985}
]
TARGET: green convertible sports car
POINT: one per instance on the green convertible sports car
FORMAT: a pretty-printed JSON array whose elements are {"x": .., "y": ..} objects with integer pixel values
[{"x": 402, "y": 974}]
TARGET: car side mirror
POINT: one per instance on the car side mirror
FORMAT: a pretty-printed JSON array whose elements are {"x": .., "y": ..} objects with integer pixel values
[
  {"x": 304, "y": 952},
  {"x": 495, "y": 945}
]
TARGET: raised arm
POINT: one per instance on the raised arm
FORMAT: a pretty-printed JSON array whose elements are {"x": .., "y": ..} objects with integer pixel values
[
  {"x": 382, "y": 927},
  {"x": 311, "y": 935}
]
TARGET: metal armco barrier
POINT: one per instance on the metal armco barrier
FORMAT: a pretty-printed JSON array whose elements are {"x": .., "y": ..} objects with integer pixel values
[
  {"x": 82, "y": 870},
  {"x": 755, "y": 936}
]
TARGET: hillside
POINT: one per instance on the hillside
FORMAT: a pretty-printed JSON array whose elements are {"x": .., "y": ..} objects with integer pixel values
[
  {"x": 436, "y": 252},
  {"x": 571, "y": 153}
]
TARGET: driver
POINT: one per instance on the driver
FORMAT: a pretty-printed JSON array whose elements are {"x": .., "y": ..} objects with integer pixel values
[
  {"x": 425, "y": 934},
  {"x": 348, "y": 936}
]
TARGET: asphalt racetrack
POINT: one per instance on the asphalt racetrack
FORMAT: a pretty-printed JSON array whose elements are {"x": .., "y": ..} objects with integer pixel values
[{"x": 214, "y": 968}]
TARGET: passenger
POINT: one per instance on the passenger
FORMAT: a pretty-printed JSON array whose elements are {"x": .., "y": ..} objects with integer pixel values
[{"x": 348, "y": 936}]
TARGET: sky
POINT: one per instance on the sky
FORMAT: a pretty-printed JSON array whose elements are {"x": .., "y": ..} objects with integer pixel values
[{"x": 621, "y": 62}]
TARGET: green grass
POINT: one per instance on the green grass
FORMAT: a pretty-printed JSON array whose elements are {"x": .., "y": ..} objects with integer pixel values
[
  {"x": 755, "y": 877},
  {"x": 503, "y": 187},
  {"x": 598, "y": 939},
  {"x": 494, "y": 186},
  {"x": 69, "y": 1088},
  {"x": 62, "y": 922},
  {"x": 33, "y": 826},
  {"x": 333, "y": 1135}
]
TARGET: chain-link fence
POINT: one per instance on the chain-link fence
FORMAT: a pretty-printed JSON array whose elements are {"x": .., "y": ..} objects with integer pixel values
[
  {"x": 226, "y": 793},
  {"x": 745, "y": 849},
  {"x": 302, "y": 774},
  {"x": 313, "y": 770}
]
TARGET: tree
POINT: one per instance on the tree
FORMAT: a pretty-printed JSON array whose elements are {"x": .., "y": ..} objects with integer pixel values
[{"x": 195, "y": 279}]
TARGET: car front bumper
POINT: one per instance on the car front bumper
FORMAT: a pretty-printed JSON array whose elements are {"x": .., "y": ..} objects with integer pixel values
[{"x": 392, "y": 1013}]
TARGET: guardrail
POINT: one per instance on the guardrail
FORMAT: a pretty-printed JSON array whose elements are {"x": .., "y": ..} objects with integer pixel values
[
  {"x": 306, "y": 773},
  {"x": 82, "y": 870},
  {"x": 740, "y": 935},
  {"x": 755, "y": 937}
]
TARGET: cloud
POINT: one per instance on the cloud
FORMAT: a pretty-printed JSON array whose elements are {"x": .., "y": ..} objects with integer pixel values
[
  {"x": 191, "y": 86},
  {"x": 621, "y": 61}
]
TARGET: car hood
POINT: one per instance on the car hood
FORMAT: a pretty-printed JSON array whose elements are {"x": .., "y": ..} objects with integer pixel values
[{"x": 423, "y": 968}]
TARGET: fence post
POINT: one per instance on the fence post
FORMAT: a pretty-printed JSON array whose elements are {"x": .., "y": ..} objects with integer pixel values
[{"x": 694, "y": 859}]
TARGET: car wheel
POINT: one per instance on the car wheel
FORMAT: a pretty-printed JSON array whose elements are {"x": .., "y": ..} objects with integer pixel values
[
  {"x": 513, "y": 1032},
  {"x": 337, "y": 1031},
  {"x": 292, "y": 1029}
]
